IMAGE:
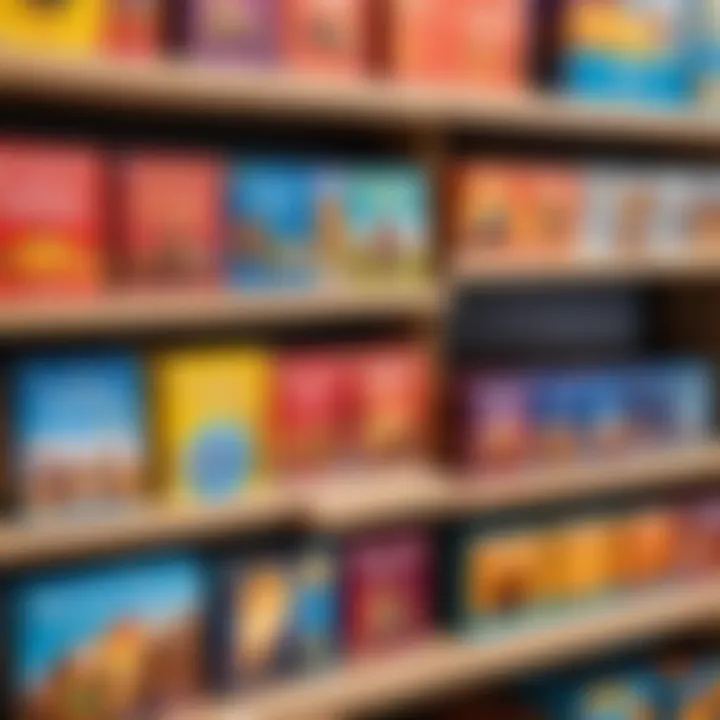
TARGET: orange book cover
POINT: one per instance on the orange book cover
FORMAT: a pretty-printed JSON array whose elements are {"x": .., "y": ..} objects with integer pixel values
[{"x": 326, "y": 37}]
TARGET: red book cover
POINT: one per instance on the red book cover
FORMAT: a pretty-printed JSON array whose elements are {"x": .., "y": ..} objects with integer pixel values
[
  {"x": 51, "y": 219},
  {"x": 134, "y": 27},
  {"x": 171, "y": 229},
  {"x": 308, "y": 414},
  {"x": 391, "y": 389},
  {"x": 388, "y": 591},
  {"x": 326, "y": 37}
]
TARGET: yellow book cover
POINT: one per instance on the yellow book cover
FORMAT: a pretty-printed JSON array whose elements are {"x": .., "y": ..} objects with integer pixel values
[
  {"x": 71, "y": 26},
  {"x": 212, "y": 420}
]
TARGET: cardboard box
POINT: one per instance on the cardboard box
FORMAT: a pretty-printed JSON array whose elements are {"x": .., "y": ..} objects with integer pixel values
[
  {"x": 243, "y": 31},
  {"x": 70, "y": 26},
  {"x": 135, "y": 27},
  {"x": 387, "y": 591},
  {"x": 212, "y": 423},
  {"x": 273, "y": 241},
  {"x": 79, "y": 434},
  {"x": 172, "y": 220},
  {"x": 309, "y": 417},
  {"x": 51, "y": 220},
  {"x": 325, "y": 37},
  {"x": 124, "y": 640}
]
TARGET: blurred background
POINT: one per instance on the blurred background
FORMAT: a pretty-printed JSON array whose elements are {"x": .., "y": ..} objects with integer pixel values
[{"x": 359, "y": 359}]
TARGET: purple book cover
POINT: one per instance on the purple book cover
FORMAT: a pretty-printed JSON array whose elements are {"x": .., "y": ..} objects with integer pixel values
[{"x": 244, "y": 30}]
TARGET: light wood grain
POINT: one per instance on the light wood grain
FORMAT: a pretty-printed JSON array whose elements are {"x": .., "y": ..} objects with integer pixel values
[
  {"x": 36, "y": 541},
  {"x": 350, "y": 501},
  {"x": 158, "y": 311},
  {"x": 443, "y": 665},
  {"x": 184, "y": 86},
  {"x": 678, "y": 267},
  {"x": 647, "y": 470}
]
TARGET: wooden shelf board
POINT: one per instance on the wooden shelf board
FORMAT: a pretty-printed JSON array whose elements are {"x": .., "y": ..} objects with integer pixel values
[
  {"x": 176, "y": 85},
  {"x": 424, "y": 493},
  {"x": 671, "y": 268},
  {"x": 131, "y": 312},
  {"x": 653, "y": 469},
  {"x": 442, "y": 665},
  {"x": 353, "y": 501},
  {"x": 405, "y": 494},
  {"x": 35, "y": 541}
]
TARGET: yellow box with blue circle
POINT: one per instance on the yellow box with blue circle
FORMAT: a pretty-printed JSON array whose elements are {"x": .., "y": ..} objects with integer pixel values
[{"x": 212, "y": 416}]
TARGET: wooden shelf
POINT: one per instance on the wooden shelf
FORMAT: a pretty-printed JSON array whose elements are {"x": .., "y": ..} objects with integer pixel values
[
  {"x": 654, "y": 469},
  {"x": 417, "y": 494},
  {"x": 351, "y": 502},
  {"x": 137, "y": 312},
  {"x": 184, "y": 86},
  {"x": 406, "y": 494},
  {"x": 443, "y": 665},
  {"x": 34, "y": 542},
  {"x": 672, "y": 268}
]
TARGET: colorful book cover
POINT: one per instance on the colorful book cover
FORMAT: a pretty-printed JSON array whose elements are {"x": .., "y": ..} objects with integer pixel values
[
  {"x": 124, "y": 640},
  {"x": 172, "y": 220},
  {"x": 51, "y": 220},
  {"x": 79, "y": 433},
  {"x": 390, "y": 224},
  {"x": 246, "y": 31},
  {"x": 273, "y": 226},
  {"x": 69, "y": 26},
  {"x": 213, "y": 414}
]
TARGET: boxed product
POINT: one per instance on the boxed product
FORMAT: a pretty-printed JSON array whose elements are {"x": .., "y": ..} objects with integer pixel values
[
  {"x": 650, "y": 407},
  {"x": 490, "y": 43},
  {"x": 696, "y": 692},
  {"x": 273, "y": 239},
  {"x": 254, "y": 620},
  {"x": 672, "y": 233},
  {"x": 646, "y": 548},
  {"x": 389, "y": 224},
  {"x": 691, "y": 392},
  {"x": 274, "y": 613},
  {"x": 634, "y": 211},
  {"x": 243, "y": 30},
  {"x": 491, "y": 214},
  {"x": 627, "y": 51},
  {"x": 504, "y": 577},
  {"x": 79, "y": 433},
  {"x": 556, "y": 411},
  {"x": 603, "y": 414},
  {"x": 586, "y": 559},
  {"x": 68, "y": 26},
  {"x": 629, "y": 695},
  {"x": 51, "y": 224},
  {"x": 172, "y": 220},
  {"x": 499, "y": 435},
  {"x": 124, "y": 640},
  {"x": 703, "y": 217},
  {"x": 708, "y": 52},
  {"x": 326, "y": 37},
  {"x": 134, "y": 27},
  {"x": 479, "y": 43},
  {"x": 212, "y": 422},
  {"x": 309, "y": 414},
  {"x": 390, "y": 403},
  {"x": 387, "y": 591},
  {"x": 332, "y": 228},
  {"x": 699, "y": 528},
  {"x": 556, "y": 209},
  {"x": 418, "y": 40}
]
